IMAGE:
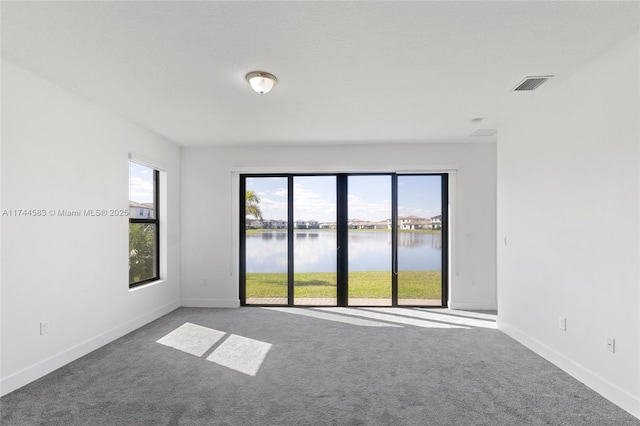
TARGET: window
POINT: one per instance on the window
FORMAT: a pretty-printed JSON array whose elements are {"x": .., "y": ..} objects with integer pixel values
[
  {"x": 144, "y": 225},
  {"x": 348, "y": 239}
]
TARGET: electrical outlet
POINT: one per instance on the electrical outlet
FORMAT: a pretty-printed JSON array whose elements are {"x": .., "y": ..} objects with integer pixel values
[
  {"x": 44, "y": 327},
  {"x": 562, "y": 323},
  {"x": 611, "y": 345}
]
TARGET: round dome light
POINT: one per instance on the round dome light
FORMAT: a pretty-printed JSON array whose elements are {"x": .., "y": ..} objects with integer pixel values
[{"x": 262, "y": 82}]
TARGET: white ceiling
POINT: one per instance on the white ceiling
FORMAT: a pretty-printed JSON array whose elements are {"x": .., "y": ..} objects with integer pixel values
[{"x": 348, "y": 71}]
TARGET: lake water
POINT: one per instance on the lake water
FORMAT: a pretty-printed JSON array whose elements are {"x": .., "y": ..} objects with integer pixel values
[{"x": 315, "y": 251}]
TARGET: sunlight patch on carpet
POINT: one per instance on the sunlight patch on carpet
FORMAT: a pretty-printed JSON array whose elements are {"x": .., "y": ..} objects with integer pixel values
[
  {"x": 241, "y": 354},
  {"x": 236, "y": 352},
  {"x": 323, "y": 314},
  {"x": 192, "y": 338},
  {"x": 440, "y": 316},
  {"x": 392, "y": 318}
]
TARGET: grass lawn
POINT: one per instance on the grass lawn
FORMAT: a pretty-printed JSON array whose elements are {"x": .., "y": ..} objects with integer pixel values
[{"x": 367, "y": 284}]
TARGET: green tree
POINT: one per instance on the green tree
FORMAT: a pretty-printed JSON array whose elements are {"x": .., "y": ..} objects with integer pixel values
[
  {"x": 251, "y": 203},
  {"x": 141, "y": 251}
]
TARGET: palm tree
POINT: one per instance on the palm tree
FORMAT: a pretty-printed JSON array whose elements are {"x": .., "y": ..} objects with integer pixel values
[{"x": 251, "y": 200}]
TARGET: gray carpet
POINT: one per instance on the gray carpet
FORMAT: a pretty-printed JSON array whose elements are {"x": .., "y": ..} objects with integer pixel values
[{"x": 317, "y": 372}]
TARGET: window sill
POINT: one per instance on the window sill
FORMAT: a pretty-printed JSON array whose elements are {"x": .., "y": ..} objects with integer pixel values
[{"x": 145, "y": 285}]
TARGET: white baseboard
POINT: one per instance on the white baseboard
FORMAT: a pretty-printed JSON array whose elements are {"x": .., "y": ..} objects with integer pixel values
[
  {"x": 613, "y": 393},
  {"x": 27, "y": 375},
  {"x": 473, "y": 306},
  {"x": 211, "y": 303}
]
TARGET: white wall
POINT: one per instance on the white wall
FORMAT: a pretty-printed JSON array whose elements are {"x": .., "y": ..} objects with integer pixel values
[
  {"x": 210, "y": 209},
  {"x": 568, "y": 203},
  {"x": 60, "y": 152}
]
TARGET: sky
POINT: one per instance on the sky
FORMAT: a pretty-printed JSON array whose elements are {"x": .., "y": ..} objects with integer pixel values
[
  {"x": 140, "y": 183},
  {"x": 314, "y": 197}
]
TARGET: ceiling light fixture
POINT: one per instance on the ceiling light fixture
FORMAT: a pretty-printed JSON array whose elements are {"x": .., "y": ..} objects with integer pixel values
[{"x": 262, "y": 82}]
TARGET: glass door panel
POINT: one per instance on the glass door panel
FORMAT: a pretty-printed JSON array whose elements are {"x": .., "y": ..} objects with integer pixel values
[
  {"x": 369, "y": 237},
  {"x": 266, "y": 242},
  {"x": 315, "y": 240},
  {"x": 420, "y": 240}
]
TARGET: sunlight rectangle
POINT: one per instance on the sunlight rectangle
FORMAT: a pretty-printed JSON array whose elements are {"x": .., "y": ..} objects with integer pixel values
[
  {"x": 192, "y": 338},
  {"x": 241, "y": 354}
]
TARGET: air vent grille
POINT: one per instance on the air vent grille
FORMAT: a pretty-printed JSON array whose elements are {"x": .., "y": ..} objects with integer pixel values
[{"x": 531, "y": 83}]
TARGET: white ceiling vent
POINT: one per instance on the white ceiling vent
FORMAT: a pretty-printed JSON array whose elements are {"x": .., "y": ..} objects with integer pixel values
[{"x": 531, "y": 83}]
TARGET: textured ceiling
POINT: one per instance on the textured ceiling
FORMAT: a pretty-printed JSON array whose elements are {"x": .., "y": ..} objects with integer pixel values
[{"x": 348, "y": 71}]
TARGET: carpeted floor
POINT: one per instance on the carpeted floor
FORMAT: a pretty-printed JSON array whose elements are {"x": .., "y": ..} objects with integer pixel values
[{"x": 259, "y": 366}]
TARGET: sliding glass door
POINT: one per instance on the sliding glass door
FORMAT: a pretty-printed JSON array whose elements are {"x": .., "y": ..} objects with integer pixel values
[
  {"x": 266, "y": 241},
  {"x": 315, "y": 241},
  {"x": 370, "y": 245},
  {"x": 343, "y": 240},
  {"x": 419, "y": 248}
]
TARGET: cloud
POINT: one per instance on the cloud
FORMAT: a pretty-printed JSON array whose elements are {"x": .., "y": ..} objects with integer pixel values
[
  {"x": 310, "y": 205},
  {"x": 140, "y": 190},
  {"x": 361, "y": 209},
  {"x": 272, "y": 209}
]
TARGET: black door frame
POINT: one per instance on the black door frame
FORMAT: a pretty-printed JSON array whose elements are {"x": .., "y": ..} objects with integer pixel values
[{"x": 342, "y": 246}]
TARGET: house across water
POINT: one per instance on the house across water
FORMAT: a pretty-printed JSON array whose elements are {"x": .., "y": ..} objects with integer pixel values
[{"x": 404, "y": 223}]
